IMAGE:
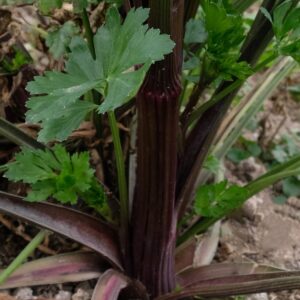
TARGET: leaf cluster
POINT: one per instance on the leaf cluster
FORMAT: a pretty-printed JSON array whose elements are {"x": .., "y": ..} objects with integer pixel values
[
  {"x": 244, "y": 149},
  {"x": 55, "y": 173},
  {"x": 119, "y": 48},
  {"x": 286, "y": 26},
  {"x": 225, "y": 35},
  {"x": 14, "y": 61},
  {"x": 221, "y": 32},
  {"x": 217, "y": 200},
  {"x": 286, "y": 149},
  {"x": 58, "y": 39}
]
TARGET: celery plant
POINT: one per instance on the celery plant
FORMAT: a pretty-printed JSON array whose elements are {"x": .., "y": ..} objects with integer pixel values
[{"x": 140, "y": 62}]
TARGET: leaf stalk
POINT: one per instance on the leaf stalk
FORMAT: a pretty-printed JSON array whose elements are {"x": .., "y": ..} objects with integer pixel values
[{"x": 122, "y": 183}]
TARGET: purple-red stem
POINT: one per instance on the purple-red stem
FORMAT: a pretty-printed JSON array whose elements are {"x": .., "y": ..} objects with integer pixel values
[{"x": 154, "y": 219}]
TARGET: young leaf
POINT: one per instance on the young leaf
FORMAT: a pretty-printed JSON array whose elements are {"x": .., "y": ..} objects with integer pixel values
[
  {"x": 285, "y": 22},
  {"x": 279, "y": 18},
  {"x": 225, "y": 34},
  {"x": 58, "y": 174},
  {"x": 280, "y": 200},
  {"x": 266, "y": 14},
  {"x": 291, "y": 186},
  {"x": 247, "y": 149},
  {"x": 119, "y": 48},
  {"x": 215, "y": 200},
  {"x": 14, "y": 63},
  {"x": 59, "y": 39},
  {"x": 212, "y": 164},
  {"x": 195, "y": 32},
  {"x": 46, "y": 6},
  {"x": 237, "y": 155},
  {"x": 279, "y": 154},
  {"x": 79, "y": 5}
]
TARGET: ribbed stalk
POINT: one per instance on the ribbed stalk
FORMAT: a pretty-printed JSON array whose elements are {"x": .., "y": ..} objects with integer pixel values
[{"x": 153, "y": 218}]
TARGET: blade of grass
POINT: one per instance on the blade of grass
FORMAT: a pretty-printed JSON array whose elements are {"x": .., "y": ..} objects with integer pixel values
[
  {"x": 251, "y": 106},
  {"x": 17, "y": 262}
]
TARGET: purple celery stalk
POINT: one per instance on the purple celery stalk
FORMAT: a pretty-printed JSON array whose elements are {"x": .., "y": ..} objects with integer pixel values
[{"x": 153, "y": 215}]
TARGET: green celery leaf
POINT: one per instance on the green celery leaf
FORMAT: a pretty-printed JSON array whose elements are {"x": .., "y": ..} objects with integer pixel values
[
  {"x": 212, "y": 164},
  {"x": 46, "y": 6},
  {"x": 15, "y": 63},
  {"x": 291, "y": 186},
  {"x": 217, "y": 200},
  {"x": 59, "y": 39},
  {"x": 281, "y": 199},
  {"x": 55, "y": 173},
  {"x": 191, "y": 63},
  {"x": 79, "y": 5},
  {"x": 225, "y": 35},
  {"x": 72, "y": 117},
  {"x": 292, "y": 49},
  {"x": 119, "y": 48},
  {"x": 116, "y": 2},
  {"x": 237, "y": 155},
  {"x": 122, "y": 88},
  {"x": 230, "y": 68},
  {"x": 279, "y": 154},
  {"x": 292, "y": 20},
  {"x": 265, "y": 12},
  {"x": 30, "y": 166},
  {"x": 286, "y": 27},
  {"x": 279, "y": 18},
  {"x": 252, "y": 147},
  {"x": 195, "y": 32}
]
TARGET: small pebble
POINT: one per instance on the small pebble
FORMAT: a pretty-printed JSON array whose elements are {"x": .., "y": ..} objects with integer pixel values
[
  {"x": 261, "y": 296},
  {"x": 24, "y": 294},
  {"x": 81, "y": 295},
  {"x": 63, "y": 295}
]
